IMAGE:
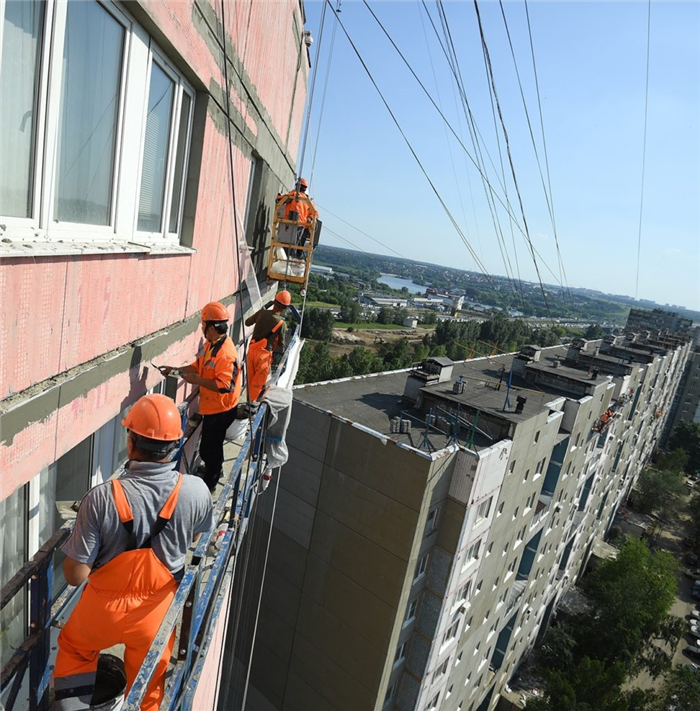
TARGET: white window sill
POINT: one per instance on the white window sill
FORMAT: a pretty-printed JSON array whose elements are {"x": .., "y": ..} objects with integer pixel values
[{"x": 21, "y": 249}]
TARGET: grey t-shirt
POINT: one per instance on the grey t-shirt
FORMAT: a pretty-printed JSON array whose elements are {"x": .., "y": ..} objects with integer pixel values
[{"x": 99, "y": 535}]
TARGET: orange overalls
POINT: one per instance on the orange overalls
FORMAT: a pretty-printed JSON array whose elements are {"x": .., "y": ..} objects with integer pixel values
[
  {"x": 259, "y": 362},
  {"x": 124, "y": 602}
]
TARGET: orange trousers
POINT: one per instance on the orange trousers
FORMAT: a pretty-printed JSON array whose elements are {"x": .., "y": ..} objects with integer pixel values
[
  {"x": 259, "y": 362},
  {"x": 124, "y": 603}
]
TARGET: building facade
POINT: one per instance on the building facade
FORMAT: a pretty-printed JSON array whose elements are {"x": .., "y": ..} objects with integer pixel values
[
  {"x": 121, "y": 216},
  {"x": 429, "y": 521},
  {"x": 658, "y": 320}
]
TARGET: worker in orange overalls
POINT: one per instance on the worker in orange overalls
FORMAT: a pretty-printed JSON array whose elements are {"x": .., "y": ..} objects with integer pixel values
[
  {"x": 268, "y": 337},
  {"x": 217, "y": 372},
  {"x": 130, "y": 540},
  {"x": 297, "y": 206}
]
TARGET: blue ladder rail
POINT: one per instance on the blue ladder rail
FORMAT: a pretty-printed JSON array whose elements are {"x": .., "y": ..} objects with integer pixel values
[{"x": 197, "y": 604}]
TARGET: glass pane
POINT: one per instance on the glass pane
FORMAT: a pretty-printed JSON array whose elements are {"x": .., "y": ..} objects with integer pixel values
[
  {"x": 19, "y": 83},
  {"x": 155, "y": 151},
  {"x": 92, "y": 63},
  {"x": 71, "y": 479},
  {"x": 13, "y": 527},
  {"x": 179, "y": 163}
]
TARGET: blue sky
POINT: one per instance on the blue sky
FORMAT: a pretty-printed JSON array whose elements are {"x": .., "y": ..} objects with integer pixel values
[{"x": 591, "y": 64}]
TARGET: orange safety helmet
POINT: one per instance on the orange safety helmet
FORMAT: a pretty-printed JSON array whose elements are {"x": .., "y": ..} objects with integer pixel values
[
  {"x": 283, "y": 298},
  {"x": 214, "y": 311},
  {"x": 155, "y": 417},
  {"x": 303, "y": 183}
]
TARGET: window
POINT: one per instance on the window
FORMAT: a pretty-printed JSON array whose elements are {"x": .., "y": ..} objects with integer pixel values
[
  {"x": 441, "y": 670},
  {"x": 537, "y": 436},
  {"x": 472, "y": 552},
  {"x": 411, "y": 612},
  {"x": 433, "y": 704},
  {"x": 431, "y": 524},
  {"x": 527, "y": 475},
  {"x": 420, "y": 568},
  {"x": 506, "y": 546},
  {"x": 483, "y": 509},
  {"x": 390, "y": 694},
  {"x": 463, "y": 592},
  {"x": 515, "y": 512},
  {"x": 94, "y": 127},
  {"x": 511, "y": 469},
  {"x": 459, "y": 658},
  {"x": 13, "y": 527},
  {"x": 489, "y": 549},
  {"x": 400, "y": 654},
  {"x": 451, "y": 632},
  {"x": 500, "y": 508},
  {"x": 540, "y": 467}
]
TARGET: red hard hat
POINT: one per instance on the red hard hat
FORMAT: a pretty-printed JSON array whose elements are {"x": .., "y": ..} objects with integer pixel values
[
  {"x": 215, "y": 311},
  {"x": 284, "y": 298},
  {"x": 303, "y": 182},
  {"x": 155, "y": 417}
]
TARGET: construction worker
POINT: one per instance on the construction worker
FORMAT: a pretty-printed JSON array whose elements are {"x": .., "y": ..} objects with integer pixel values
[
  {"x": 217, "y": 373},
  {"x": 130, "y": 539},
  {"x": 297, "y": 206},
  {"x": 268, "y": 337}
]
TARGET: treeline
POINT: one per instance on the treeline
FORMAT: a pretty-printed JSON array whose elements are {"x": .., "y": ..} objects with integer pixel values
[
  {"x": 463, "y": 339},
  {"x": 587, "y": 659},
  {"x": 456, "y": 340}
]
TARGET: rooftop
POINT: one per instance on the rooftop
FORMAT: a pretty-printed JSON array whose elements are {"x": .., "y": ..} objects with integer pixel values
[{"x": 373, "y": 400}]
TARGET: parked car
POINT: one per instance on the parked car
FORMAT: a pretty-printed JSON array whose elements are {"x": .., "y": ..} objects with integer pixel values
[
  {"x": 696, "y": 593},
  {"x": 692, "y": 560},
  {"x": 692, "y": 573},
  {"x": 695, "y": 615},
  {"x": 692, "y": 651}
]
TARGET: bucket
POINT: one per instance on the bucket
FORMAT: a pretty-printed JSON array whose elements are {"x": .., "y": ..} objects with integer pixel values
[{"x": 110, "y": 684}]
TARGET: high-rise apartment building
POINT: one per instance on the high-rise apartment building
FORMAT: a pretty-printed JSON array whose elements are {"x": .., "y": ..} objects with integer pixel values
[
  {"x": 430, "y": 520},
  {"x": 658, "y": 320}
]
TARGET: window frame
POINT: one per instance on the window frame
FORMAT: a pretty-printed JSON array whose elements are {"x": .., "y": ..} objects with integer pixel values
[{"x": 138, "y": 51}]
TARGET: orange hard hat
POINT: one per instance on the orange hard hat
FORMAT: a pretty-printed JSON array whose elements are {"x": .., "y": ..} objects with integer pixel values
[
  {"x": 303, "y": 182},
  {"x": 215, "y": 311},
  {"x": 284, "y": 298},
  {"x": 155, "y": 417}
]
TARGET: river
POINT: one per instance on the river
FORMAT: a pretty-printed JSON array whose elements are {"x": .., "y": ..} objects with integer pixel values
[{"x": 397, "y": 283}]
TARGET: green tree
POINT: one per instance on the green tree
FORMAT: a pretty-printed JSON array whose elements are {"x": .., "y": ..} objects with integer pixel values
[
  {"x": 350, "y": 311},
  {"x": 363, "y": 361},
  {"x": 686, "y": 436},
  {"x": 694, "y": 510},
  {"x": 318, "y": 324},
  {"x": 593, "y": 332},
  {"x": 557, "y": 651},
  {"x": 675, "y": 461},
  {"x": 384, "y": 315},
  {"x": 680, "y": 691},
  {"x": 658, "y": 491},
  {"x": 633, "y": 594}
]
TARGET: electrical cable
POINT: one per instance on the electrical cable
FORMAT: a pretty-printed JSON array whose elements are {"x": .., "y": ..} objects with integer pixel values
[
  {"x": 413, "y": 153},
  {"x": 426, "y": 92},
  {"x": 644, "y": 150},
  {"x": 550, "y": 202},
  {"x": 508, "y": 151},
  {"x": 362, "y": 232}
]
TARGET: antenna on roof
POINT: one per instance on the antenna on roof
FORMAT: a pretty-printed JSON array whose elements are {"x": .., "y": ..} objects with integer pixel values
[
  {"x": 425, "y": 442},
  {"x": 509, "y": 385}
]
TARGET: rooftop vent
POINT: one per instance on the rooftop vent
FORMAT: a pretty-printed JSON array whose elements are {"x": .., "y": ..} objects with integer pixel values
[{"x": 520, "y": 404}]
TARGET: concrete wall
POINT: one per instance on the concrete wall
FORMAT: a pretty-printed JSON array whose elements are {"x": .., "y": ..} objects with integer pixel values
[
  {"x": 71, "y": 326},
  {"x": 345, "y": 541}
]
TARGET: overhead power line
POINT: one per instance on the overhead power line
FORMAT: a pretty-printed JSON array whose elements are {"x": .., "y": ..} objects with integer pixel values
[
  {"x": 508, "y": 151},
  {"x": 644, "y": 150},
  {"x": 475, "y": 257}
]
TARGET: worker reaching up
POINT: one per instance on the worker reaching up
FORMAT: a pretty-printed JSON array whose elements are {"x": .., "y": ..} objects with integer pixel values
[
  {"x": 217, "y": 373},
  {"x": 130, "y": 539},
  {"x": 269, "y": 336}
]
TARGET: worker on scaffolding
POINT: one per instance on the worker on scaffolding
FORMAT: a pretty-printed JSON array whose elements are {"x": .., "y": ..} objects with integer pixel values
[
  {"x": 130, "y": 539},
  {"x": 269, "y": 337},
  {"x": 296, "y": 206},
  {"x": 217, "y": 373}
]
